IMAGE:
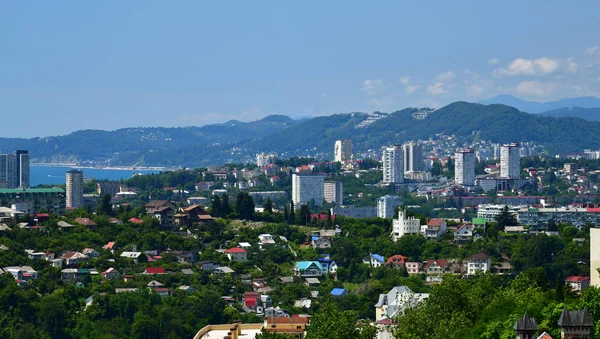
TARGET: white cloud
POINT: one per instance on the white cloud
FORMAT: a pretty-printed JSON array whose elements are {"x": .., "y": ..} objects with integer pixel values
[
  {"x": 437, "y": 88},
  {"x": 572, "y": 65},
  {"x": 372, "y": 86},
  {"x": 474, "y": 90},
  {"x": 594, "y": 50},
  {"x": 536, "y": 88},
  {"x": 445, "y": 77},
  {"x": 405, "y": 80},
  {"x": 412, "y": 88},
  {"x": 521, "y": 66},
  {"x": 493, "y": 61}
]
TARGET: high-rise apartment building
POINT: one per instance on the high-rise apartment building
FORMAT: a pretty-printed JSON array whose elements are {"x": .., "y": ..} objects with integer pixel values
[
  {"x": 14, "y": 170},
  {"x": 343, "y": 150},
  {"x": 307, "y": 188},
  {"x": 413, "y": 157},
  {"x": 464, "y": 167},
  {"x": 333, "y": 192},
  {"x": 393, "y": 165},
  {"x": 74, "y": 189},
  {"x": 510, "y": 166},
  {"x": 387, "y": 204}
]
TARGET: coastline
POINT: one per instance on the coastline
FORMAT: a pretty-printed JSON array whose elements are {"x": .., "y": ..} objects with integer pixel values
[{"x": 119, "y": 168}]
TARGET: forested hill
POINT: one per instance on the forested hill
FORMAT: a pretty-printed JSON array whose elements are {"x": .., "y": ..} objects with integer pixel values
[
  {"x": 239, "y": 141},
  {"x": 592, "y": 114}
]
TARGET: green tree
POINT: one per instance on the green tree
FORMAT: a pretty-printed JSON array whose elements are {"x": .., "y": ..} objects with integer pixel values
[
  {"x": 268, "y": 205},
  {"x": 334, "y": 323},
  {"x": 105, "y": 208}
]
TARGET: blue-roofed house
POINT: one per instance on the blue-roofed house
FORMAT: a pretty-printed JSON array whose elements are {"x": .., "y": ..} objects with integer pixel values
[
  {"x": 306, "y": 269},
  {"x": 375, "y": 260},
  {"x": 338, "y": 292},
  {"x": 328, "y": 265}
]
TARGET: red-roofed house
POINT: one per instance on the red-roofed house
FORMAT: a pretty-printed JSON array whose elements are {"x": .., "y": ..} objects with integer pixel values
[
  {"x": 463, "y": 233},
  {"x": 435, "y": 269},
  {"x": 251, "y": 299},
  {"x": 578, "y": 283},
  {"x": 435, "y": 228},
  {"x": 154, "y": 270},
  {"x": 136, "y": 221},
  {"x": 110, "y": 246},
  {"x": 237, "y": 254},
  {"x": 396, "y": 261}
]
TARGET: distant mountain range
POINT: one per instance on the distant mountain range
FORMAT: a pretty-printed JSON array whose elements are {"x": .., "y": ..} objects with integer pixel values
[
  {"x": 236, "y": 141},
  {"x": 542, "y": 107}
]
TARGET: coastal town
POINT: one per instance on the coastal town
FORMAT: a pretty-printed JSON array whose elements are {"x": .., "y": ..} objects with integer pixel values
[{"x": 269, "y": 245}]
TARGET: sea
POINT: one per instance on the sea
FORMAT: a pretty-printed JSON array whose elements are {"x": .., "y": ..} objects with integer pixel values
[{"x": 56, "y": 175}]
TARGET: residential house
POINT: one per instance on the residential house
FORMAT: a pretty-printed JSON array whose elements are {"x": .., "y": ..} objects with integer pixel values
[
  {"x": 154, "y": 270},
  {"x": 375, "y": 260},
  {"x": 396, "y": 261},
  {"x": 223, "y": 270},
  {"x": 110, "y": 246},
  {"x": 578, "y": 283},
  {"x": 184, "y": 257},
  {"x": 162, "y": 210},
  {"x": 435, "y": 228},
  {"x": 75, "y": 275},
  {"x": 111, "y": 274},
  {"x": 413, "y": 267},
  {"x": 92, "y": 253},
  {"x": 312, "y": 282},
  {"x": 115, "y": 221},
  {"x": 87, "y": 222},
  {"x": 392, "y": 304},
  {"x": 463, "y": 233},
  {"x": 192, "y": 215},
  {"x": 339, "y": 292},
  {"x": 237, "y": 254},
  {"x": 319, "y": 242},
  {"x": 251, "y": 300},
  {"x": 25, "y": 273},
  {"x": 74, "y": 258},
  {"x": 478, "y": 262},
  {"x": 328, "y": 265},
  {"x": 131, "y": 255},
  {"x": 186, "y": 288},
  {"x": 187, "y": 271},
  {"x": 204, "y": 185},
  {"x": 162, "y": 291},
  {"x": 435, "y": 269},
  {"x": 154, "y": 283},
  {"x": 208, "y": 265},
  {"x": 306, "y": 269},
  {"x": 265, "y": 240}
]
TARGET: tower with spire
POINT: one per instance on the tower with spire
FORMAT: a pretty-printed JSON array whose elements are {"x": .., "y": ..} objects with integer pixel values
[
  {"x": 575, "y": 324},
  {"x": 526, "y": 328}
]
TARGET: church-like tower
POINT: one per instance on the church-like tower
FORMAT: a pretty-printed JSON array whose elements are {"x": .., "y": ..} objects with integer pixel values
[
  {"x": 526, "y": 327},
  {"x": 576, "y": 324}
]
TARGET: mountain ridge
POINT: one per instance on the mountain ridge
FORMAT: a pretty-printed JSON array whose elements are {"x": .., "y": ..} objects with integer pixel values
[{"x": 535, "y": 107}]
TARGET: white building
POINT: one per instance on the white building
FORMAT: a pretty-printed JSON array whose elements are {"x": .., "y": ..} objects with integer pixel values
[
  {"x": 478, "y": 262},
  {"x": 404, "y": 226},
  {"x": 333, "y": 192},
  {"x": 386, "y": 205},
  {"x": 393, "y": 303},
  {"x": 464, "y": 170},
  {"x": 263, "y": 159},
  {"x": 343, "y": 151},
  {"x": 74, "y": 188},
  {"x": 413, "y": 157},
  {"x": 510, "y": 166},
  {"x": 393, "y": 165},
  {"x": 307, "y": 188},
  {"x": 490, "y": 211}
]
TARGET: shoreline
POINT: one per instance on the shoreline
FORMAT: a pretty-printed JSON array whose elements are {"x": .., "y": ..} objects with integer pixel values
[{"x": 119, "y": 168}]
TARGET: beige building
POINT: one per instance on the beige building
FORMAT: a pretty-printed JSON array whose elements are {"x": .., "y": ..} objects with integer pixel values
[
  {"x": 333, "y": 192},
  {"x": 595, "y": 256},
  {"x": 343, "y": 151}
]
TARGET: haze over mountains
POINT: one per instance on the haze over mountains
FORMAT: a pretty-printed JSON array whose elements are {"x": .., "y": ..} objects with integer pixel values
[{"x": 560, "y": 130}]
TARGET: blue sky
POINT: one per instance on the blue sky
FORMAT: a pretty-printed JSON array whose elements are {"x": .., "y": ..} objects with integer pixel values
[{"x": 74, "y": 65}]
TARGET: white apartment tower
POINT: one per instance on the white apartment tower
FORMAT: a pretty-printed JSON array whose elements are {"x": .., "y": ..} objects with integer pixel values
[
  {"x": 306, "y": 188},
  {"x": 510, "y": 166},
  {"x": 343, "y": 151},
  {"x": 74, "y": 189},
  {"x": 464, "y": 167},
  {"x": 393, "y": 171},
  {"x": 405, "y": 226},
  {"x": 386, "y": 205},
  {"x": 333, "y": 192},
  {"x": 413, "y": 157}
]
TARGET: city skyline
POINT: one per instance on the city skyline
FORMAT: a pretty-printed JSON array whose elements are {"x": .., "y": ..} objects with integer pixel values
[{"x": 168, "y": 65}]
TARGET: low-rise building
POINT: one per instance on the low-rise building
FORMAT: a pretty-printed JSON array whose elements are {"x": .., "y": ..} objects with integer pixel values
[
  {"x": 414, "y": 267},
  {"x": 237, "y": 254},
  {"x": 578, "y": 283},
  {"x": 435, "y": 228},
  {"x": 463, "y": 233},
  {"x": 405, "y": 225},
  {"x": 392, "y": 304},
  {"x": 478, "y": 262},
  {"x": 305, "y": 269},
  {"x": 396, "y": 261}
]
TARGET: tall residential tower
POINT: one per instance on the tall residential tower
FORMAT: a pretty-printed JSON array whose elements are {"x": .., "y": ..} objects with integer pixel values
[
  {"x": 464, "y": 167},
  {"x": 14, "y": 170},
  {"x": 393, "y": 166},
  {"x": 74, "y": 188},
  {"x": 307, "y": 188},
  {"x": 343, "y": 150},
  {"x": 510, "y": 166},
  {"x": 413, "y": 157}
]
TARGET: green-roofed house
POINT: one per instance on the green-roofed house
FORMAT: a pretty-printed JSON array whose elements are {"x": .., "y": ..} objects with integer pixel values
[
  {"x": 308, "y": 269},
  {"x": 34, "y": 200},
  {"x": 478, "y": 222}
]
